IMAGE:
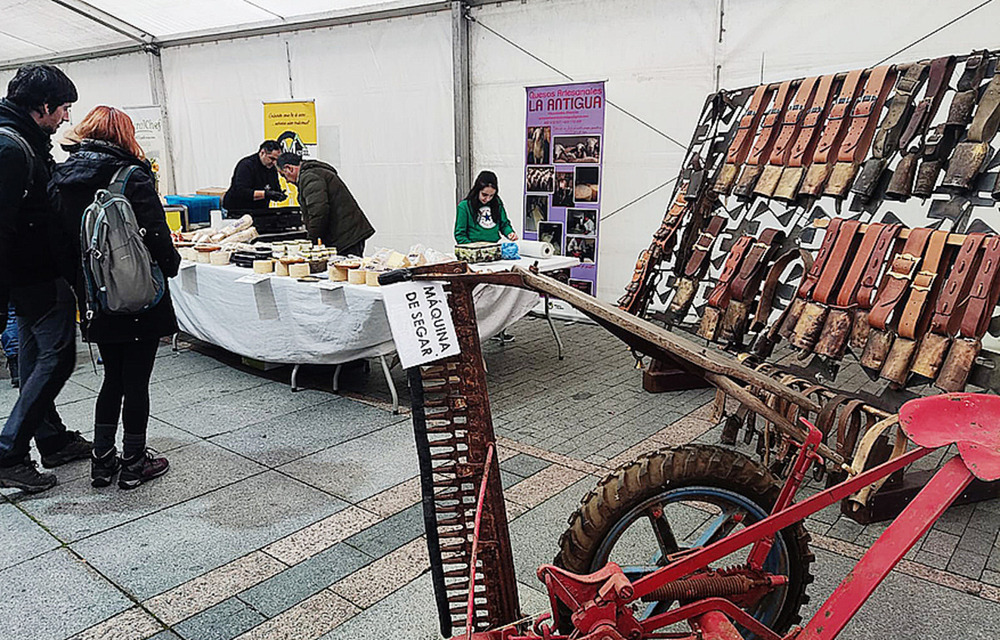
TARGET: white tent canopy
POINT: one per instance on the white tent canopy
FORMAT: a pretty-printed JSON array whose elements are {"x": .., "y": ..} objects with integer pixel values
[{"x": 389, "y": 83}]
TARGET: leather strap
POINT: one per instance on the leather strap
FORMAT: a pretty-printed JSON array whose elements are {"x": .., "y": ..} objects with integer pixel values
[
  {"x": 912, "y": 322},
  {"x": 987, "y": 119},
  {"x": 766, "y": 302},
  {"x": 702, "y": 248},
  {"x": 768, "y": 131},
  {"x": 900, "y": 109},
  {"x": 984, "y": 293},
  {"x": 869, "y": 280},
  {"x": 953, "y": 295},
  {"x": 838, "y": 261},
  {"x": 741, "y": 144},
  {"x": 747, "y": 280},
  {"x": 940, "y": 73},
  {"x": 864, "y": 115},
  {"x": 849, "y": 290},
  {"x": 812, "y": 276},
  {"x": 897, "y": 281},
  {"x": 721, "y": 293},
  {"x": 974, "y": 71},
  {"x": 808, "y": 135},
  {"x": 791, "y": 122},
  {"x": 833, "y": 128}
]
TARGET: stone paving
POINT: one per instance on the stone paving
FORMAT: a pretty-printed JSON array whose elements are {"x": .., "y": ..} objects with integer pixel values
[{"x": 296, "y": 515}]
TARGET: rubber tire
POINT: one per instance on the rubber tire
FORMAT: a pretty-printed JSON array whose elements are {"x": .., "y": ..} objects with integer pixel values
[{"x": 673, "y": 468}]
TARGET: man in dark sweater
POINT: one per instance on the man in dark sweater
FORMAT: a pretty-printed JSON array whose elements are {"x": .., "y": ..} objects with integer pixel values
[
  {"x": 255, "y": 181},
  {"x": 36, "y": 268},
  {"x": 329, "y": 211}
]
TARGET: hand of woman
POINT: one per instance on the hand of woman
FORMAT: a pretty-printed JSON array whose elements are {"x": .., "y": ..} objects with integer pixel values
[{"x": 512, "y": 236}]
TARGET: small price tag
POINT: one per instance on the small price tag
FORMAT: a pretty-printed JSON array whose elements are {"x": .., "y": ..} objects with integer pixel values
[
  {"x": 328, "y": 285},
  {"x": 421, "y": 322},
  {"x": 253, "y": 278}
]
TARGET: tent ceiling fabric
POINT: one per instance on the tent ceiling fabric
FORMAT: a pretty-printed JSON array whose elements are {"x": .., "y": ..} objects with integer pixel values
[{"x": 36, "y": 28}]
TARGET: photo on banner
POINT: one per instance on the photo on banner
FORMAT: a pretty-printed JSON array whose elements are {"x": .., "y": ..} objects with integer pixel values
[
  {"x": 564, "y": 136},
  {"x": 293, "y": 125},
  {"x": 149, "y": 134}
]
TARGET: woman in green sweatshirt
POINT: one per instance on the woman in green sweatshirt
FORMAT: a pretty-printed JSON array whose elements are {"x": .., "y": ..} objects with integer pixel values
[{"x": 481, "y": 216}]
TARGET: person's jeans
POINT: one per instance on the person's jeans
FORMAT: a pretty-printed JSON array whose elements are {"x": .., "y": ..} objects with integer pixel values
[
  {"x": 8, "y": 339},
  {"x": 47, "y": 337}
]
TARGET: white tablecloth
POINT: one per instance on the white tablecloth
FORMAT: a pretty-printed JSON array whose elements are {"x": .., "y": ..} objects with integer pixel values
[{"x": 285, "y": 321}]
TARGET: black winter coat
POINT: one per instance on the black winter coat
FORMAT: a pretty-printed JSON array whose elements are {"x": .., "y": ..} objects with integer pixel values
[
  {"x": 75, "y": 182},
  {"x": 249, "y": 176},
  {"x": 330, "y": 212},
  {"x": 34, "y": 240}
]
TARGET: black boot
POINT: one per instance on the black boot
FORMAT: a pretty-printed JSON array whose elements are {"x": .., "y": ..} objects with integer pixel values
[
  {"x": 76, "y": 448},
  {"x": 26, "y": 477},
  {"x": 141, "y": 468},
  {"x": 103, "y": 468}
]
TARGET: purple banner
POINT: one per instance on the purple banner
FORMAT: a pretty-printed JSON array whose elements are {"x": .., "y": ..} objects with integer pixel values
[{"x": 562, "y": 173}]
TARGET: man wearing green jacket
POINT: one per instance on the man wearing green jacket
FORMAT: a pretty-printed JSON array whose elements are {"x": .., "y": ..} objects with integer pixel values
[{"x": 331, "y": 214}]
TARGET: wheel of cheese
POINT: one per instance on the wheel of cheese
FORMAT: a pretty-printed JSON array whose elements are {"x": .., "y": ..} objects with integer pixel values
[
  {"x": 371, "y": 278},
  {"x": 280, "y": 268},
  {"x": 298, "y": 269},
  {"x": 263, "y": 266},
  {"x": 204, "y": 257},
  {"x": 357, "y": 276},
  {"x": 338, "y": 274},
  {"x": 219, "y": 258}
]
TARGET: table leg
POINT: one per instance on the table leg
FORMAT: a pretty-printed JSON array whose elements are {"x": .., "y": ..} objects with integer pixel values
[
  {"x": 336, "y": 378},
  {"x": 173, "y": 342},
  {"x": 552, "y": 325},
  {"x": 295, "y": 375},
  {"x": 388, "y": 381}
]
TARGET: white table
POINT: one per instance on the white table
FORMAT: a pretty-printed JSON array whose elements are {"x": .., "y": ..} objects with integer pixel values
[{"x": 284, "y": 321}]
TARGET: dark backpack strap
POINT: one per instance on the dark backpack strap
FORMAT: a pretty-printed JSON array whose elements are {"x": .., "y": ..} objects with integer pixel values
[
  {"x": 29, "y": 153},
  {"x": 117, "y": 186}
]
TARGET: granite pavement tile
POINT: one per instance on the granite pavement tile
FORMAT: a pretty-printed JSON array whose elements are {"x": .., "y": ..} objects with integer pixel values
[
  {"x": 386, "y": 575},
  {"x": 164, "y": 549},
  {"x": 212, "y": 415},
  {"x": 524, "y": 465},
  {"x": 410, "y": 613},
  {"x": 294, "y": 435},
  {"x": 388, "y": 535},
  {"x": 76, "y": 509},
  {"x": 223, "y": 621},
  {"x": 134, "y": 623},
  {"x": 940, "y": 543},
  {"x": 295, "y": 584},
  {"x": 185, "y": 391},
  {"x": 316, "y": 537},
  {"x": 67, "y": 597},
  {"x": 23, "y": 538},
  {"x": 966, "y": 563},
  {"x": 307, "y": 620},
  {"x": 362, "y": 467},
  {"x": 213, "y": 587}
]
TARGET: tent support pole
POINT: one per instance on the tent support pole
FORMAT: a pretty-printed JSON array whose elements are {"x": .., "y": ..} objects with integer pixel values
[
  {"x": 158, "y": 89},
  {"x": 463, "y": 107}
]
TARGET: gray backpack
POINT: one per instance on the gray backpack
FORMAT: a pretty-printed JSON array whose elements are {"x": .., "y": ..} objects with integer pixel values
[{"x": 119, "y": 273}]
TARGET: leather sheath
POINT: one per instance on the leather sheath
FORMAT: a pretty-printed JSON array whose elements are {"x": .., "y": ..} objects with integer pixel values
[
  {"x": 912, "y": 321},
  {"x": 766, "y": 138},
  {"x": 721, "y": 293},
  {"x": 805, "y": 141},
  {"x": 897, "y": 281},
  {"x": 739, "y": 148},
  {"x": 833, "y": 133},
  {"x": 891, "y": 130},
  {"x": 954, "y": 295},
  {"x": 791, "y": 123},
  {"x": 864, "y": 120}
]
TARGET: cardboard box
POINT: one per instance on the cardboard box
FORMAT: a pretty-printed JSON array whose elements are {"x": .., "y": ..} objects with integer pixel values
[{"x": 212, "y": 191}]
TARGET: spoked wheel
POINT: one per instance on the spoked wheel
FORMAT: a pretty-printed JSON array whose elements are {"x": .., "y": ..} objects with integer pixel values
[{"x": 673, "y": 500}]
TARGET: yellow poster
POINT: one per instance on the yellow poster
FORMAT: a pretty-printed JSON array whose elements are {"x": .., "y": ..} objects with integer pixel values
[{"x": 293, "y": 125}]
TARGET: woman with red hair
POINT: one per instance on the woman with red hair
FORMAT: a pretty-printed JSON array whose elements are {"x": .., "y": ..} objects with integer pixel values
[{"x": 127, "y": 342}]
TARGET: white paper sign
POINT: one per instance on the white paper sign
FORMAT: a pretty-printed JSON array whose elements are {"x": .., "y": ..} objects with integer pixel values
[
  {"x": 328, "y": 285},
  {"x": 420, "y": 321},
  {"x": 253, "y": 278}
]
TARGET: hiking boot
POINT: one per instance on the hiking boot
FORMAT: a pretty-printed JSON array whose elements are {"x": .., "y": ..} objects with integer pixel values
[
  {"x": 141, "y": 469},
  {"x": 77, "y": 448},
  {"x": 15, "y": 378},
  {"x": 104, "y": 468},
  {"x": 26, "y": 477}
]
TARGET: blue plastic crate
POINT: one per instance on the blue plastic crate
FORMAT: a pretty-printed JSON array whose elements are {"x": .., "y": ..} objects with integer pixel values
[{"x": 199, "y": 207}]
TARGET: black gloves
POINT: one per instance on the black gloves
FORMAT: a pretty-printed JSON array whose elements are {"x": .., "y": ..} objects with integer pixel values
[{"x": 274, "y": 195}]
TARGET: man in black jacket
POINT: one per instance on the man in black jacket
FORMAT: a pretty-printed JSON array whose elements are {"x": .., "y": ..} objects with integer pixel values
[
  {"x": 329, "y": 211},
  {"x": 36, "y": 264},
  {"x": 255, "y": 180}
]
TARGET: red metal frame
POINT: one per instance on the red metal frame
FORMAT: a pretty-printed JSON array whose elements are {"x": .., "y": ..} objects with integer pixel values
[{"x": 600, "y": 603}]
